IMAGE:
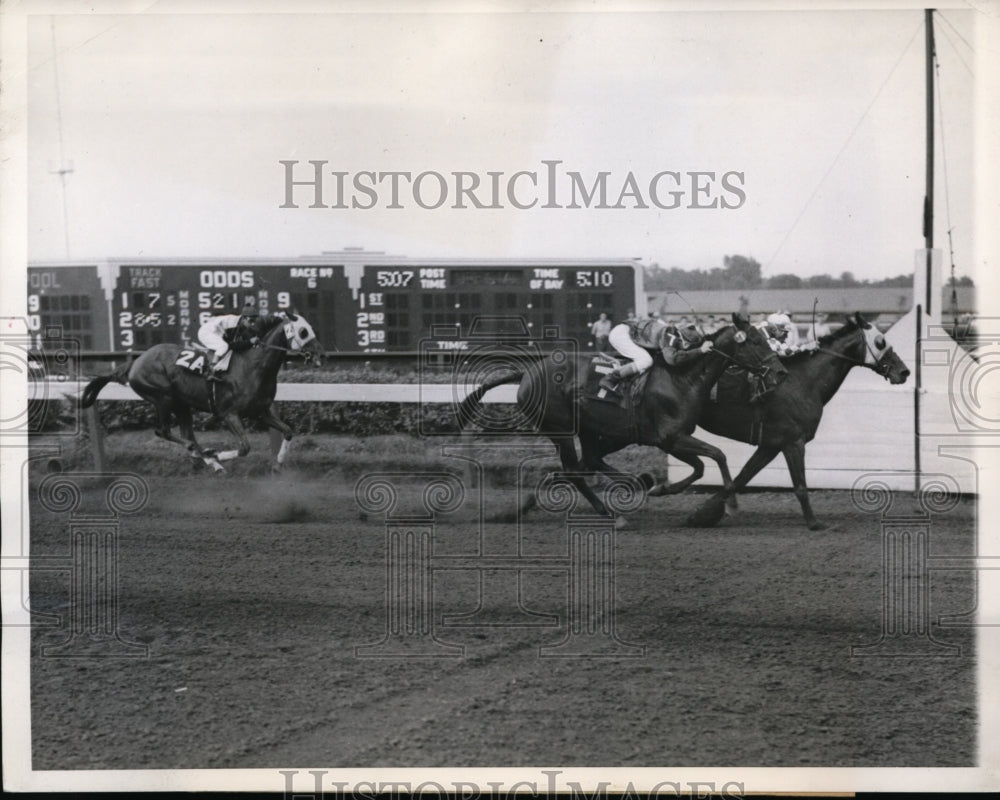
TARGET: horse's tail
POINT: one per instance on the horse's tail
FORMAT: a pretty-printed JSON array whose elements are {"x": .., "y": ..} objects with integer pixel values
[
  {"x": 467, "y": 408},
  {"x": 94, "y": 387}
]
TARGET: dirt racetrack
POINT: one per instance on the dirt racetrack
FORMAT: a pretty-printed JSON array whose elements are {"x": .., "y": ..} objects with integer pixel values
[{"x": 252, "y": 594}]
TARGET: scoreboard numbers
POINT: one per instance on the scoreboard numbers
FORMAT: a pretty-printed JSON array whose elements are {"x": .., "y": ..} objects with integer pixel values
[
  {"x": 393, "y": 278},
  {"x": 353, "y": 306},
  {"x": 592, "y": 279},
  {"x": 71, "y": 299}
]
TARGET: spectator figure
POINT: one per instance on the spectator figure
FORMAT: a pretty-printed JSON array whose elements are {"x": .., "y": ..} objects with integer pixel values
[
  {"x": 713, "y": 323},
  {"x": 600, "y": 330}
]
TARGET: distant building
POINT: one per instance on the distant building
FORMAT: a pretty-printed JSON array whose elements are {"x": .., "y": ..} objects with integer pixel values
[{"x": 883, "y": 305}]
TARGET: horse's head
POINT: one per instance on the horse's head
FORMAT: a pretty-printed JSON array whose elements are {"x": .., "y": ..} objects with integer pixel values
[
  {"x": 746, "y": 346},
  {"x": 302, "y": 338},
  {"x": 877, "y": 354}
]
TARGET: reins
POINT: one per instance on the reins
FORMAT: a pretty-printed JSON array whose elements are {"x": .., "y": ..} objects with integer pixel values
[
  {"x": 308, "y": 357},
  {"x": 740, "y": 364},
  {"x": 857, "y": 362}
]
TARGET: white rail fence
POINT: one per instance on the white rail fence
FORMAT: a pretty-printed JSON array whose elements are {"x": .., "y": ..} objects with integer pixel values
[{"x": 867, "y": 427}]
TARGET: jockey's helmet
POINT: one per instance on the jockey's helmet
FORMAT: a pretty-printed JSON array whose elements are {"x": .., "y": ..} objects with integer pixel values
[
  {"x": 779, "y": 325},
  {"x": 248, "y": 316},
  {"x": 690, "y": 335}
]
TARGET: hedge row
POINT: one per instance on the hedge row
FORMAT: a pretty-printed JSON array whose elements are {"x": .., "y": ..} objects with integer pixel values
[
  {"x": 362, "y": 419},
  {"x": 365, "y": 373}
]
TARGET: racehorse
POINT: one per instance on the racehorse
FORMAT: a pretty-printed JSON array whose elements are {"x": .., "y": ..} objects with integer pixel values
[
  {"x": 787, "y": 418},
  {"x": 552, "y": 401},
  {"x": 164, "y": 375}
]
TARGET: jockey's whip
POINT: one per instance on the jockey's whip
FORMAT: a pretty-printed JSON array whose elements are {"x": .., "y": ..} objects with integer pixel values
[
  {"x": 815, "y": 301},
  {"x": 683, "y": 299}
]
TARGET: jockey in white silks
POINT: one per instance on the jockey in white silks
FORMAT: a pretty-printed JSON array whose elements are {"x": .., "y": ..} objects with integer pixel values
[
  {"x": 219, "y": 334},
  {"x": 782, "y": 335},
  {"x": 635, "y": 339}
]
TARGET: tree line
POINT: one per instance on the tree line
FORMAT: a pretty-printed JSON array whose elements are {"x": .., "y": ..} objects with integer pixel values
[{"x": 741, "y": 272}]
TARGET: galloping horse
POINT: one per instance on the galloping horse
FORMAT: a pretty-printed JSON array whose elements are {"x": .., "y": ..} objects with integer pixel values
[
  {"x": 163, "y": 376},
  {"x": 664, "y": 415},
  {"x": 789, "y": 416}
]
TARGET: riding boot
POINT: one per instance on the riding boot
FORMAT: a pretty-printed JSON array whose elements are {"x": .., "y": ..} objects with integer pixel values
[
  {"x": 211, "y": 374},
  {"x": 610, "y": 382}
]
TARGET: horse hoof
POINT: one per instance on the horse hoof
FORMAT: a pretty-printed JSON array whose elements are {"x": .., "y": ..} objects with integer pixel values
[
  {"x": 817, "y": 526},
  {"x": 656, "y": 491},
  {"x": 707, "y": 515},
  {"x": 647, "y": 481}
]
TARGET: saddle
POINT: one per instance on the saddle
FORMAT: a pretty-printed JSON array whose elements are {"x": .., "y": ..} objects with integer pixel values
[
  {"x": 737, "y": 386},
  {"x": 631, "y": 387}
]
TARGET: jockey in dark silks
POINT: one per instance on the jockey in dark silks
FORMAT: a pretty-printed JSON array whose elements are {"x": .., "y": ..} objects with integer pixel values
[
  {"x": 635, "y": 339},
  {"x": 229, "y": 332}
]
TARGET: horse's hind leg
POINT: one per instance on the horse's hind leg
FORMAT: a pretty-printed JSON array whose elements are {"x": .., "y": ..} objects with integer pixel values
[
  {"x": 571, "y": 465},
  {"x": 593, "y": 459},
  {"x": 164, "y": 409},
  {"x": 795, "y": 457},
  {"x": 186, "y": 424}
]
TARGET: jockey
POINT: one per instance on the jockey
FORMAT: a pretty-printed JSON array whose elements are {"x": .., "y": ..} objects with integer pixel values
[
  {"x": 228, "y": 331},
  {"x": 781, "y": 334},
  {"x": 634, "y": 340}
]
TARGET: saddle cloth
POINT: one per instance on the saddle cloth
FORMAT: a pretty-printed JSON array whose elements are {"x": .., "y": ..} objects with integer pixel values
[
  {"x": 194, "y": 358},
  {"x": 629, "y": 389}
]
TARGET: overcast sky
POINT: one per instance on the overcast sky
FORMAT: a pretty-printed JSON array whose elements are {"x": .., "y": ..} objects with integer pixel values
[{"x": 175, "y": 126}]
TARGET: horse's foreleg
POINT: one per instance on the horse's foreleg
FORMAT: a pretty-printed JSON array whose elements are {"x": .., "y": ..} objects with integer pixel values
[
  {"x": 274, "y": 422},
  {"x": 235, "y": 427},
  {"x": 795, "y": 457},
  {"x": 691, "y": 451},
  {"x": 761, "y": 457},
  {"x": 712, "y": 509}
]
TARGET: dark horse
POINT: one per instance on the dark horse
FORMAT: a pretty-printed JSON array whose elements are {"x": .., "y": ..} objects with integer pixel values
[
  {"x": 552, "y": 401},
  {"x": 788, "y": 418},
  {"x": 246, "y": 389}
]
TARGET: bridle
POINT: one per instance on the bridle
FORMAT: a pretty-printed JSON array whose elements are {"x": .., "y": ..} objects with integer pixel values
[
  {"x": 757, "y": 371},
  {"x": 878, "y": 366},
  {"x": 307, "y": 356}
]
